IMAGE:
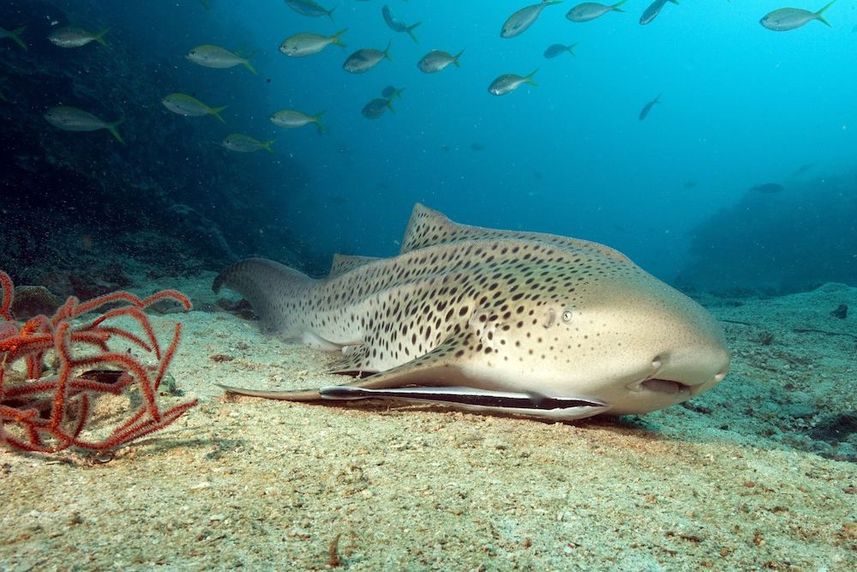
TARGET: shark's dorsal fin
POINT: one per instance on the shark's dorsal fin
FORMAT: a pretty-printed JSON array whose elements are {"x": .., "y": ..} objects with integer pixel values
[
  {"x": 426, "y": 227},
  {"x": 342, "y": 263}
]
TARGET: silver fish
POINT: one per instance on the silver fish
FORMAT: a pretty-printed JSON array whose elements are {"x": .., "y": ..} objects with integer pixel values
[
  {"x": 292, "y": 119},
  {"x": 588, "y": 11},
  {"x": 491, "y": 320},
  {"x": 437, "y": 60},
  {"x": 310, "y": 8},
  {"x": 390, "y": 92},
  {"x": 190, "y": 106},
  {"x": 786, "y": 19},
  {"x": 365, "y": 59},
  {"x": 376, "y": 108},
  {"x": 241, "y": 143},
  {"x": 307, "y": 44},
  {"x": 396, "y": 25},
  {"x": 509, "y": 82},
  {"x": 554, "y": 50},
  {"x": 211, "y": 56},
  {"x": 644, "y": 112},
  {"x": 518, "y": 22},
  {"x": 70, "y": 118},
  {"x": 75, "y": 37},
  {"x": 652, "y": 11}
]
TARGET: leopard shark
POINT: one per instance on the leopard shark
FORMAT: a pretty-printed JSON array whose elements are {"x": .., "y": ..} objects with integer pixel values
[{"x": 490, "y": 320}]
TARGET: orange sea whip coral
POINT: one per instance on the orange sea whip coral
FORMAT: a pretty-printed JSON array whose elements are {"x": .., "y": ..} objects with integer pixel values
[{"x": 51, "y": 410}]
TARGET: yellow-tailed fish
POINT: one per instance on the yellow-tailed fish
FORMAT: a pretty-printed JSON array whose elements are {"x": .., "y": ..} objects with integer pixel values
[
  {"x": 71, "y": 37},
  {"x": 210, "y": 56},
  {"x": 70, "y": 118},
  {"x": 189, "y": 106},
  {"x": 241, "y": 143}
]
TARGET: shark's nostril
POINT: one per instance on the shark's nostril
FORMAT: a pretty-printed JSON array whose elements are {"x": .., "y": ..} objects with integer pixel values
[{"x": 657, "y": 362}]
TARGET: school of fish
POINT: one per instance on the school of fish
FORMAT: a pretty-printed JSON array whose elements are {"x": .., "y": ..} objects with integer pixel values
[{"x": 360, "y": 61}]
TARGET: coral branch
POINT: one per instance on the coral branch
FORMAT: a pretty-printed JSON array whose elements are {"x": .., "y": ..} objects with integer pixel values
[
  {"x": 8, "y": 290},
  {"x": 48, "y": 413}
]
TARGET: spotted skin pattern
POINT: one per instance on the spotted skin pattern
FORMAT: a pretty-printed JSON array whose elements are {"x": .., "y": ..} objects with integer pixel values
[
  {"x": 464, "y": 306},
  {"x": 428, "y": 227}
]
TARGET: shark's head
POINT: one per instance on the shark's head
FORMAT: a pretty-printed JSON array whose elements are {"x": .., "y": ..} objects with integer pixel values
[
  {"x": 644, "y": 345},
  {"x": 602, "y": 329}
]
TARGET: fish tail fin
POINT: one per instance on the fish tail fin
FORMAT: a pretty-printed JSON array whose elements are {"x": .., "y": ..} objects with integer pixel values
[
  {"x": 617, "y": 6},
  {"x": 387, "y": 50},
  {"x": 337, "y": 38},
  {"x": 267, "y": 145},
  {"x": 318, "y": 124},
  {"x": 329, "y": 13},
  {"x": 674, "y": 1},
  {"x": 246, "y": 63},
  {"x": 113, "y": 129},
  {"x": 455, "y": 59},
  {"x": 15, "y": 36},
  {"x": 529, "y": 77},
  {"x": 570, "y": 48},
  {"x": 410, "y": 31},
  {"x": 216, "y": 111},
  {"x": 390, "y": 106},
  {"x": 819, "y": 15},
  {"x": 271, "y": 288},
  {"x": 99, "y": 37}
]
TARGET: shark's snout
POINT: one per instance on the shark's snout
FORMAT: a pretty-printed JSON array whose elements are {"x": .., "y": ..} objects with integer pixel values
[{"x": 685, "y": 372}]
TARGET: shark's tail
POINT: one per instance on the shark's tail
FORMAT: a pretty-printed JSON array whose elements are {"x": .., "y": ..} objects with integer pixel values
[{"x": 276, "y": 292}]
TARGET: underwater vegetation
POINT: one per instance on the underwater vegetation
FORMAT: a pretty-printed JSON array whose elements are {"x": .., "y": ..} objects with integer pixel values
[{"x": 48, "y": 408}]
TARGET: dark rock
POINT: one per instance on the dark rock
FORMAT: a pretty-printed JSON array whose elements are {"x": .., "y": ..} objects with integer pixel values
[
  {"x": 241, "y": 308},
  {"x": 32, "y": 301},
  {"x": 835, "y": 428},
  {"x": 840, "y": 312}
]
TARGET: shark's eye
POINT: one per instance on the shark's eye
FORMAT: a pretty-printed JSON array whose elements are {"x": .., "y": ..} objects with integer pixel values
[{"x": 566, "y": 316}]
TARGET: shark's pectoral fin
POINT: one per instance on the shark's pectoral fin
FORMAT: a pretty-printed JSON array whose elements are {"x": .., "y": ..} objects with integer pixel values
[
  {"x": 433, "y": 368},
  {"x": 355, "y": 361},
  {"x": 532, "y": 404},
  {"x": 437, "y": 377}
]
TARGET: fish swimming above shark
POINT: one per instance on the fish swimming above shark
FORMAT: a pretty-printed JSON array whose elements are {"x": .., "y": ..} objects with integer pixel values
[{"x": 494, "y": 321}]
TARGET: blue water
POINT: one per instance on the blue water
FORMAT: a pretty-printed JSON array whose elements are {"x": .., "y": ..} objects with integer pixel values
[{"x": 740, "y": 106}]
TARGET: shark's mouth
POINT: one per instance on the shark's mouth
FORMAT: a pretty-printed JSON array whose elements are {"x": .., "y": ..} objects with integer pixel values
[{"x": 666, "y": 386}]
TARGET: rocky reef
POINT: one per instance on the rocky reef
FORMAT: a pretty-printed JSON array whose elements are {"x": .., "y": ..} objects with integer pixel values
[
  {"x": 771, "y": 243},
  {"x": 84, "y": 214}
]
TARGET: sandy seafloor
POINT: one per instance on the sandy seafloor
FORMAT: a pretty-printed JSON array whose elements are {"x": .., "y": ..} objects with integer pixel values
[{"x": 746, "y": 477}]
